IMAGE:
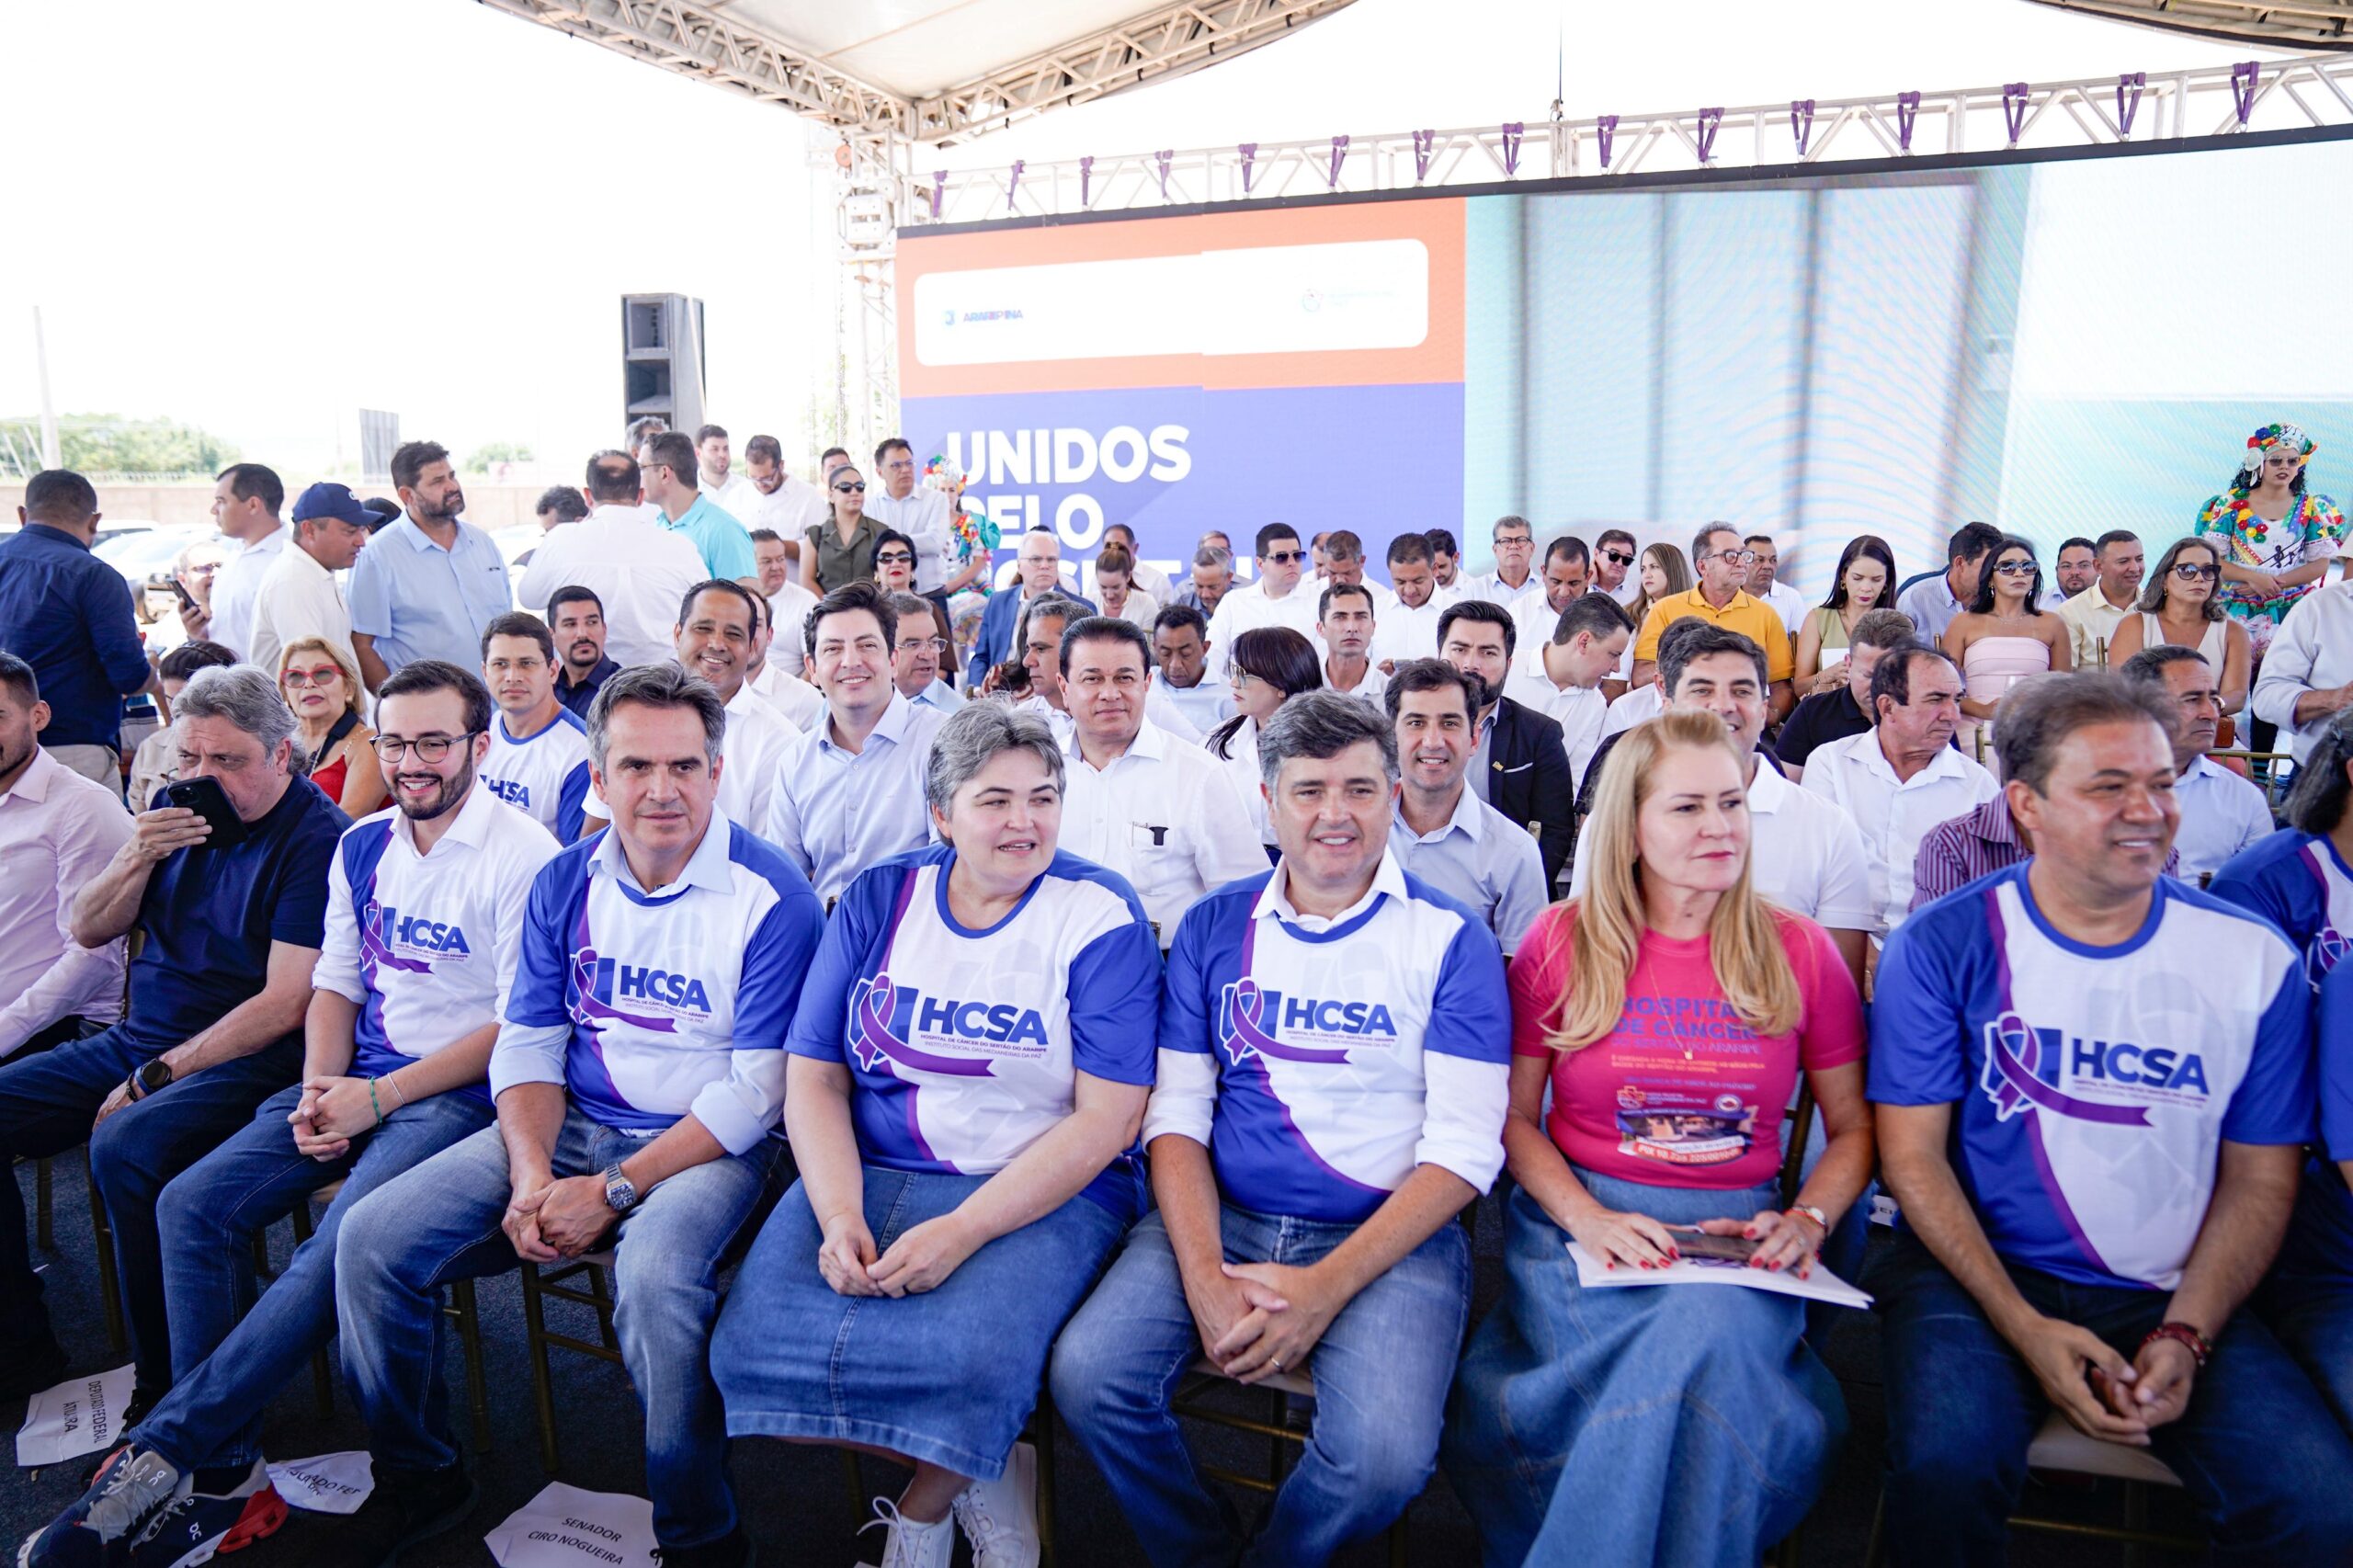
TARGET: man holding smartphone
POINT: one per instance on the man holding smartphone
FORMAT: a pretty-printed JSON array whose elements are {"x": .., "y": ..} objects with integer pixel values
[{"x": 217, "y": 999}]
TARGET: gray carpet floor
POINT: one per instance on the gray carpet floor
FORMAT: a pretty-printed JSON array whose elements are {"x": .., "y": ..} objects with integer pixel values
[{"x": 797, "y": 1501}]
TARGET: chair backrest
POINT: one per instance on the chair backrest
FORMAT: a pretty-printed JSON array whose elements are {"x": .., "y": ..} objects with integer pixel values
[{"x": 1801, "y": 1127}]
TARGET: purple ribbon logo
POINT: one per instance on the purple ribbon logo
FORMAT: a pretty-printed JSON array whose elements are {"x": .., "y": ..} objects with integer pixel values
[
  {"x": 2013, "y": 1053},
  {"x": 870, "y": 1037},
  {"x": 2330, "y": 947},
  {"x": 374, "y": 949},
  {"x": 587, "y": 970},
  {"x": 1246, "y": 1014}
]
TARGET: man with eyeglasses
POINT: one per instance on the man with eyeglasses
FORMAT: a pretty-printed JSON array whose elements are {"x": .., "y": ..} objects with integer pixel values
[
  {"x": 1613, "y": 566},
  {"x": 668, "y": 473},
  {"x": 2076, "y": 564},
  {"x": 916, "y": 654},
  {"x": 920, "y": 512},
  {"x": 849, "y": 792},
  {"x": 537, "y": 759},
  {"x": 2093, "y": 616},
  {"x": 217, "y": 998},
  {"x": 1038, "y": 566},
  {"x": 1275, "y": 599},
  {"x": 1722, "y": 563},
  {"x": 1515, "y": 546},
  {"x": 775, "y": 501},
  {"x": 424, "y": 906}
]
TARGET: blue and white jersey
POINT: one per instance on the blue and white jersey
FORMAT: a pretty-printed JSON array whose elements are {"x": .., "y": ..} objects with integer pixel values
[
  {"x": 964, "y": 1045},
  {"x": 2094, "y": 1086},
  {"x": 649, "y": 1006},
  {"x": 1321, "y": 1060},
  {"x": 424, "y": 945},
  {"x": 546, "y": 777},
  {"x": 2300, "y": 884}
]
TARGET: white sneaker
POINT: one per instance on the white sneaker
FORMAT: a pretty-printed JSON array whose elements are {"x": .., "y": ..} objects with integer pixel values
[
  {"x": 909, "y": 1544},
  {"x": 1000, "y": 1516}
]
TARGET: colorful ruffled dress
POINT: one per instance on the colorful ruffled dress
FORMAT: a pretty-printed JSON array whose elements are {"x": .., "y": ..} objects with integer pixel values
[{"x": 2312, "y": 532}]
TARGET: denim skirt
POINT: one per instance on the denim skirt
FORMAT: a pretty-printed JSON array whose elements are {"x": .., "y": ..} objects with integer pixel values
[
  {"x": 948, "y": 1376},
  {"x": 1675, "y": 1425}
]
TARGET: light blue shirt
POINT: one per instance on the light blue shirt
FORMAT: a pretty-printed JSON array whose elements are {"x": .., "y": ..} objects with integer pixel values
[
  {"x": 1480, "y": 859},
  {"x": 725, "y": 547},
  {"x": 420, "y": 601},
  {"x": 1931, "y": 606},
  {"x": 836, "y": 812},
  {"x": 939, "y": 694}
]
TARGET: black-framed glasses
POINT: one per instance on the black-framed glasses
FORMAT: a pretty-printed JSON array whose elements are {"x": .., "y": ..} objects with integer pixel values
[
  {"x": 1738, "y": 557},
  {"x": 1285, "y": 557},
  {"x": 922, "y": 644},
  {"x": 2191, "y": 572},
  {"x": 846, "y": 489},
  {"x": 895, "y": 558},
  {"x": 1615, "y": 559},
  {"x": 428, "y": 748}
]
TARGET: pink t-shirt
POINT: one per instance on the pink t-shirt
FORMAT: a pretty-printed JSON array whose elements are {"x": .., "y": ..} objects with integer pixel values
[{"x": 1681, "y": 1093}]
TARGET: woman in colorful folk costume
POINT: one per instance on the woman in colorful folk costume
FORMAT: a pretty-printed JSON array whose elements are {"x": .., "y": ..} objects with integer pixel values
[
  {"x": 2278, "y": 538},
  {"x": 1670, "y": 1010},
  {"x": 968, "y": 1073}
]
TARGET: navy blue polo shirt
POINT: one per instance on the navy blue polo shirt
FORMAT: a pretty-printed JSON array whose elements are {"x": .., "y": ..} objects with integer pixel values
[
  {"x": 210, "y": 914},
  {"x": 67, "y": 614}
]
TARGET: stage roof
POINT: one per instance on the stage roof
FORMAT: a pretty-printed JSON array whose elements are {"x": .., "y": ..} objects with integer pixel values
[
  {"x": 2295, "y": 23},
  {"x": 932, "y": 71}
]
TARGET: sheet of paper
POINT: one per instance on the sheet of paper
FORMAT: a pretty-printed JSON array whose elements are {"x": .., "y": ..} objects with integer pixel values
[
  {"x": 78, "y": 1417},
  {"x": 1823, "y": 1286},
  {"x": 325, "y": 1483},
  {"x": 566, "y": 1526}
]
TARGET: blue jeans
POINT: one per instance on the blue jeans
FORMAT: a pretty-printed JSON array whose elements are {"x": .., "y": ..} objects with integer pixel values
[
  {"x": 1628, "y": 1426},
  {"x": 2258, "y": 1453},
  {"x": 440, "y": 1222},
  {"x": 231, "y": 1352},
  {"x": 46, "y": 1104},
  {"x": 1380, "y": 1372}
]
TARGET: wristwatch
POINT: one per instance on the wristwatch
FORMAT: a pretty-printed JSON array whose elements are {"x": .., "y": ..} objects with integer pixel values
[
  {"x": 1811, "y": 1212},
  {"x": 151, "y": 1076},
  {"x": 620, "y": 1194}
]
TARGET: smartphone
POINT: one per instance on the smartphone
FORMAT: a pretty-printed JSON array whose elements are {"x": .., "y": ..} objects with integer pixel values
[
  {"x": 1714, "y": 1249},
  {"x": 205, "y": 797},
  {"x": 179, "y": 592}
]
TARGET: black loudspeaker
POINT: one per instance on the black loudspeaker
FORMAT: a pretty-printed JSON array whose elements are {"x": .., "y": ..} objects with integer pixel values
[{"x": 661, "y": 367}]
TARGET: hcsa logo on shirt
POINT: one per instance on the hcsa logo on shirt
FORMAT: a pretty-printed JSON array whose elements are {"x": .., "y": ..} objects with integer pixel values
[
  {"x": 512, "y": 791},
  {"x": 1257, "y": 1022},
  {"x": 607, "y": 990},
  {"x": 421, "y": 931},
  {"x": 2047, "y": 1070}
]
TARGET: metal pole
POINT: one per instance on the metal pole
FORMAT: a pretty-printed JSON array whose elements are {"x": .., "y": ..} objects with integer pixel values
[{"x": 49, "y": 449}]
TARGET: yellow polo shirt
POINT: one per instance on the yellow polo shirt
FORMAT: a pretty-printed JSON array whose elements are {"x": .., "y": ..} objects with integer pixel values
[{"x": 1752, "y": 617}]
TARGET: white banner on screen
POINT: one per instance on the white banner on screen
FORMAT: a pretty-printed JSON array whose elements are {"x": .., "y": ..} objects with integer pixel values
[{"x": 1262, "y": 300}]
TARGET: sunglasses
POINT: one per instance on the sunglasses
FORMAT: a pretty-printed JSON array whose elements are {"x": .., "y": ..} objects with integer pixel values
[
  {"x": 895, "y": 557},
  {"x": 312, "y": 677},
  {"x": 1285, "y": 557},
  {"x": 2016, "y": 568},
  {"x": 846, "y": 489},
  {"x": 2191, "y": 572},
  {"x": 1616, "y": 558}
]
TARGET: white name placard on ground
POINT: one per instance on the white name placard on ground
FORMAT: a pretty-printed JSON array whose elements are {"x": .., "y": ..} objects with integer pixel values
[
  {"x": 565, "y": 1527},
  {"x": 78, "y": 1417},
  {"x": 325, "y": 1483}
]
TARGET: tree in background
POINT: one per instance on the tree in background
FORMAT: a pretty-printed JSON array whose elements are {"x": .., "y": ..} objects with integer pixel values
[
  {"x": 108, "y": 443},
  {"x": 488, "y": 458}
]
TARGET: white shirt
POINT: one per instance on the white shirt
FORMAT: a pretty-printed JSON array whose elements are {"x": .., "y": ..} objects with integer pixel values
[
  {"x": 298, "y": 598},
  {"x": 544, "y": 776},
  {"x": 1788, "y": 603},
  {"x": 1402, "y": 631},
  {"x": 788, "y": 609},
  {"x": 835, "y": 812},
  {"x": 1481, "y": 859},
  {"x": 1161, "y": 816},
  {"x": 58, "y": 830},
  {"x": 425, "y": 945},
  {"x": 2313, "y": 651},
  {"x": 640, "y": 570},
  {"x": 237, "y": 584},
  {"x": 731, "y": 495},
  {"x": 2221, "y": 813},
  {"x": 1533, "y": 617},
  {"x": 748, "y": 759},
  {"x": 1893, "y": 815},
  {"x": 1580, "y": 711},
  {"x": 922, "y": 515},
  {"x": 1246, "y": 609},
  {"x": 790, "y": 512},
  {"x": 2092, "y": 622},
  {"x": 1491, "y": 587},
  {"x": 1370, "y": 686},
  {"x": 1152, "y": 580},
  {"x": 797, "y": 702},
  {"x": 1805, "y": 854},
  {"x": 1632, "y": 707},
  {"x": 1204, "y": 707}
]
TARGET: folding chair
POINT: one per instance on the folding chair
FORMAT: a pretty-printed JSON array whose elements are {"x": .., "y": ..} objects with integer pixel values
[{"x": 2059, "y": 1448}]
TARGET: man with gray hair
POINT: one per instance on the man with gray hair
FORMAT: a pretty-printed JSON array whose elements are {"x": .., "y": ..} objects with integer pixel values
[
  {"x": 1212, "y": 575},
  {"x": 1334, "y": 1047},
  {"x": 232, "y": 910},
  {"x": 1844, "y": 710},
  {"x": 638, "y": 1073}
]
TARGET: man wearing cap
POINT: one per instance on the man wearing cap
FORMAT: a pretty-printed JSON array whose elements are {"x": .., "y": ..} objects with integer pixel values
[{"x": 298, "y": 597}]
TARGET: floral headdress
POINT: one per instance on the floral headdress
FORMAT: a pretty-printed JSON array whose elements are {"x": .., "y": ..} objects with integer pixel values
[{"x": 2272, "y": 438}]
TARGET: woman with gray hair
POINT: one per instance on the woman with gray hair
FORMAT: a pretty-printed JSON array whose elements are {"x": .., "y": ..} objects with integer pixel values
[{"x": 968, "y": 1072}]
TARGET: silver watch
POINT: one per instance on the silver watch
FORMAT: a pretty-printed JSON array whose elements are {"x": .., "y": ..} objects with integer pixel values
[{"x": 620, "y": 1194}]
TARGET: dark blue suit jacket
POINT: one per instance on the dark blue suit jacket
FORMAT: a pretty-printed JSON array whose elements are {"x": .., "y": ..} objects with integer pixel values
[{"x": 992, "y": 645}]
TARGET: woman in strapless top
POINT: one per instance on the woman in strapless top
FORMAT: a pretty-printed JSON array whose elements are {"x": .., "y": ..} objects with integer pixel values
[
  {"x": 2003, "y": 637},
  {"x": 2182, "y": 606}
]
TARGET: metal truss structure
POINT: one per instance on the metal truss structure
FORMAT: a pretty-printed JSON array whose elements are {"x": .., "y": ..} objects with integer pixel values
[
  {"x": 2137, "y": 107},
  {"x": 2299, "y": 24}
]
